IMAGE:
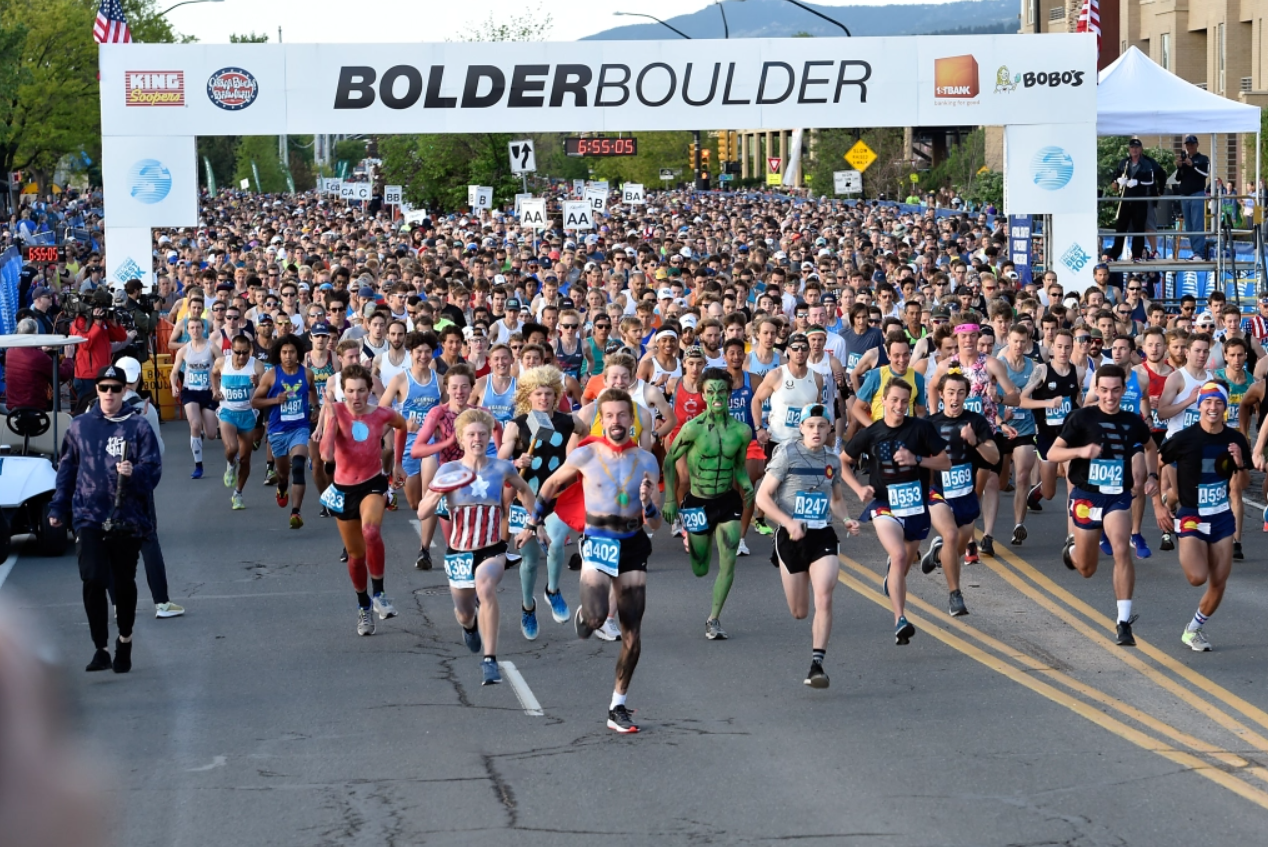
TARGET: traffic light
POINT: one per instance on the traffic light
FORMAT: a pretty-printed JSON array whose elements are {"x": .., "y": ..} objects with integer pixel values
[
  {"x": 691, "y": 154},
  {"x": 704, "y": 158},
  {"x": 727, "y": 147}
]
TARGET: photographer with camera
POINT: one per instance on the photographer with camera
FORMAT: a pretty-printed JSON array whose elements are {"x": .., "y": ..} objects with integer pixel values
[
  {"x": 109, "y": 468},
  {"x": 98, "y": 323},
  {"x": 140, "y": 306}
]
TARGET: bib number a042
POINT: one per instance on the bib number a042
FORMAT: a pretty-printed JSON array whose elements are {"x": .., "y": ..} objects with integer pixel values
[
  {"x": 460, "y": 570},
  {"x": 694, "y": 519},
  {"x": 906, "y": 499},
  {"x": 1212, "y": 498},
  {"x": 602, "y": 554},
  {"x": 957, "y": 482},
  {"x": 332, "y": 499},
  {"x": 811, "y": 507},
  {"x": 1107, "y": 475}
]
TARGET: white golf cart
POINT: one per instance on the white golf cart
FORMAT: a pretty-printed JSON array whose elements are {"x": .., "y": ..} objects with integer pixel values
[{"x": 30, "y": 446}]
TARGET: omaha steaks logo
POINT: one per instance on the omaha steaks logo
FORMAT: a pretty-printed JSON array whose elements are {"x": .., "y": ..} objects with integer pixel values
[
  {"x": 232, "y": 89},
  {"x": 154, "y": 88}
]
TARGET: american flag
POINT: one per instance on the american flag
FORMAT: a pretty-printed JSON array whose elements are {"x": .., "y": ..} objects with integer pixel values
[
  {"x": 1090, "y": 21},
  {"x": 111, "y": 27}
]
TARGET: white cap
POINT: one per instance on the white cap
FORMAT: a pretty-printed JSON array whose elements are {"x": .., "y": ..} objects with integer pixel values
[{"x": 131, "y": 368}]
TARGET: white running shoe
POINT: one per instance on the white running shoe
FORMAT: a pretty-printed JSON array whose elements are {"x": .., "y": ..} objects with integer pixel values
[
  {"x": 383, "y": 606},
  {"x": 1195, "y": 640},
  {"x": 610, "y": 631},
  {"x": 168, "y": 610},
  {"x": 365, "y": 622},
  {"x": 676, "y": 527},
  {"x": 742, "y": 549}
]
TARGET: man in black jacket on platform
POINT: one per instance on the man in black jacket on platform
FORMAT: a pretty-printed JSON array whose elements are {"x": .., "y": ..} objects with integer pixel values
[{"x": 1136, "y": 176}]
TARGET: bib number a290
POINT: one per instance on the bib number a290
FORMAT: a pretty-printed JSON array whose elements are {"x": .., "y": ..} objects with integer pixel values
[
  {"x": 1107, "y": 475},
  {"x": 906, "y": 499},
  {"x": 602, "y": 554}
]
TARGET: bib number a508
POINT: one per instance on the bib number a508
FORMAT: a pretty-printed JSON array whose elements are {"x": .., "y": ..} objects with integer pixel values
[{"x": 517, "y": 518}]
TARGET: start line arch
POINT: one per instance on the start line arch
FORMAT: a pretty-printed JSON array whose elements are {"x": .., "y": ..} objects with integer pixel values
[{"x": 157, "y": 98}]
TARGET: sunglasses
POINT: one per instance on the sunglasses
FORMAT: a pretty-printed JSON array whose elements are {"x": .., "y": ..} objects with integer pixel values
[
  {"x": 217, "y": 308},
  {"x": 602, "y": 326},
  {"x": 798, "y": 348},
  {"x": 242, "y": 352},
  {"x": 1083, "y": 339},
  {"x": 874, "y": 321},
  {"x": 110, "y": 387},
  {"x": 1133, "y": 289},
  {"x": 568, "y": 326}
]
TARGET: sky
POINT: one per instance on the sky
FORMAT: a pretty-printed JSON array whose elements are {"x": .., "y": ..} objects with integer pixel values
[{"x": 401, "y": 21}]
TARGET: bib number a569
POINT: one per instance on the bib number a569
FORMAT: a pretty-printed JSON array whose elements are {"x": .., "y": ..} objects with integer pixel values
[{"x": 958, "y": 481}]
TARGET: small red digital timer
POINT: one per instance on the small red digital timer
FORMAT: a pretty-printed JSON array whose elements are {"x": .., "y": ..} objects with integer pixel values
[
  {"x": 601, "y": 146},
  {"x": 44, "y": 253}
]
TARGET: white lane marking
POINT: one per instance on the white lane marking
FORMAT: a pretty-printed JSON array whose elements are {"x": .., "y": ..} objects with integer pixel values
[
  {"x": 216, "y": 762},
  {"x": 525, "y": 694},
  {"x": 7, "y": 567}
]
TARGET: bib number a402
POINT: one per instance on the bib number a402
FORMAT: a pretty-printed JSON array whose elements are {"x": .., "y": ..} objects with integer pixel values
[{"x": 602, "y": 554}]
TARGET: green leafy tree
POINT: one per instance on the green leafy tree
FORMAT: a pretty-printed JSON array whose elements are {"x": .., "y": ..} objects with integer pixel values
[
  {"x": 529, "y": 25},
  {"x": 262, "y": 151},
  {"x": 656, "y": 150},
  {"x": 249, "y": 38}
]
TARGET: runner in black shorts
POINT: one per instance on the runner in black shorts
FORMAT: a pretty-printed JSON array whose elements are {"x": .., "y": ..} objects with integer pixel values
[{"x": 802, "y": 485}]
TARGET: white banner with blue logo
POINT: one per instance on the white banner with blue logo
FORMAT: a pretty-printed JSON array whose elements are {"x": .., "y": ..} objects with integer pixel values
[
  {"x": 150, "y": 181},
  {"x": 129, "y": 255},
  {"x": 1072, "y": 249},
  {"x": 1049, "y": 169}
]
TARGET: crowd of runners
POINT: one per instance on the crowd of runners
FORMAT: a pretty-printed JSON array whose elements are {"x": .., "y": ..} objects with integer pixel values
[{"x": 729, "y": 366}]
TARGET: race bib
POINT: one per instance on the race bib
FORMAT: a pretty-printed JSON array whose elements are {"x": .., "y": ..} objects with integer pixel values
[
  {"x": 1129, "y": 403},
  {"x": 602, "y": 554},
  {"x": 694, "y": 520},
  {"x": 906, "y": 499},
  {"x": 1056, "y": 416},
  {"x": 292, "y": 408},
  {"x": 442, "y": 508},
  {"x": 517, "y": 518},
  {"x": 811, "y": 507},
  {"x": 332, "y": 499},
  {"x": 792, "y": 417},
  {"x": 973, "y": 404},
  {"x": 1156, "y": 422},
  {"x": 1191, "y": 416},
  {"x": 1107, "y": 475},
  {"x": 236, "y": 393},
  {"x": 1234, "y": 412},
  {"x": 1212, "y": 498},
  {"x": 957, "y": 482},
  {"x": 460, "y": 569},
  {"x": 197, "y": 380},
  {"x": 852, "y": 359}
]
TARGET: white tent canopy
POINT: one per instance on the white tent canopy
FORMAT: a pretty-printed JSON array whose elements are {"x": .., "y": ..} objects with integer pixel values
[{"x": 1137, "y": 97}]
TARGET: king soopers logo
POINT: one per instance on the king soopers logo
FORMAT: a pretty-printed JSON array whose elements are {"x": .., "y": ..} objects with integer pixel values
[
  {"x": 1052, "y": 168},
  {"x": 150, "y": 181},
  {"x": 232, "y": 89}
]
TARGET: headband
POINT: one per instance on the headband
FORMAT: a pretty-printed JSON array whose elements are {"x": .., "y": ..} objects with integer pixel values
[
  {"x": 1213, "y": 391},
  {"x": 666, "y": 333},
  {"x": 967, "y": 328}
]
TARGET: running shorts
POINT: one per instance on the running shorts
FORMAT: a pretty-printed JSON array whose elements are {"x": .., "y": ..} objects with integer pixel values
[
  {"x": 1008, "y": 445},
  {"x": 284, "y": 441},
  {"x": 1044, "y": 442},
  {"x": 202, "y": 398},
  {"x": 798, "y": 556},
  {"x": 1209, "y": 528},
  {"x": 915, "y": 527},
  {"x": 461, "y": 565},
  {"x": 1158, "y": 436},
  {"x": 701, "y": 516},
  {"x": 966, "y": 509},
  {"x": 755, "y": 451},
  {"x": 1088, "y": 510},
  {"x": 354, "y": 494},
  {"x": 243, "y": 420}
]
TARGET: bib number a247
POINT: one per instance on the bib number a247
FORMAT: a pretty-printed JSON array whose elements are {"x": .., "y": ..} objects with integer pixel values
[{"x": 812, "y": 508}]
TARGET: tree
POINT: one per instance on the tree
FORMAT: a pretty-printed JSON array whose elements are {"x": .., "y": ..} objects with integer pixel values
[
  {"x": 222, "y": 152},
  {"x": 530, "y": 25},
  {"x": 249, "y": 38},
  {"x": 887, "y": 175},
  {"x": 260, "y": 151}
]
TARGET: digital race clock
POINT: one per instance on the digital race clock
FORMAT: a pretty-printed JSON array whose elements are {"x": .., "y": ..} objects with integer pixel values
[
  {"x": 44, "y": 253},
  {"x": 601, "y": 146}
]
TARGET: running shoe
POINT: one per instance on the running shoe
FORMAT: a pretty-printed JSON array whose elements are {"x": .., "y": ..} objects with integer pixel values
[
  {"x": 423, "y": 562},
  {"x": 987, "y": 546},
  {"x": 1034, "y": 500},
  {"x": 558, "y": 606},
  {"x": 1142, "y": 549},
  {"x": 929, "y": 561},
  {"x": 742, "y": 549},
  {"x": 619, "y": 719},
  {"x": 1106, "y": 547},
  {"x": 675, "y": 528},
  {"x": 970, "y": 554},
  {"x": 816, "y": 678},
  {"x": 1125, "y": 637},
  {"x": 762, "y": 526},
  {"x": 903, "y": 631},
  {"x": 610, "y": 631},
  {"x": 296, "y": 520},
  {"x": 885, "y": 581},
  {"x": 235, "y": 501},
  {"x": 323, "y": 512},
  {"x": 1067, "y": 552},
  {"x": 270, "y": 476},
  {"x": 489, "y": 667},
  {"x": 1237, "y": 550},
  {"x": 513, "y": 560},
  {"x": 198, "y": 472},
  {"x": 343, "y": 556},
  {"x": 283, "y": 497},
  {"x": 1009, "y": 488},
  {"x": 579, "y": 623},
  {"x": 391, "y": 503},
  {"x": 713, "y": 630},
  {"x": 1195, "y": 640},
  {"x": 365, "y": 622},
  {"x": 231, "y": 476},
  {"x": 383, "y": 606},
  {"x": 168, "y": 610},
  {"x": 100, "y": 661},
  {"x": 1019, "y": 534},
  {"x": 122, "y": 656},
  {"x": 1168, "y": 542},
  {"x": 528, "y": 623},
  {"x": 956, "y": 607},
  {"x": 471, "y": 638}
]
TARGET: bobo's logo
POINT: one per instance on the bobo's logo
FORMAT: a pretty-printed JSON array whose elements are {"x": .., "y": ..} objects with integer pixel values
[
  {"x": 1052, "y": 168},
  {"x": 955, "y": 77},
  {"x": 232, "y": 89},
  {"x": 154, "y": 88},
  {"x": 1004, "y": 81},
  {"x": 149, "y": 181}
]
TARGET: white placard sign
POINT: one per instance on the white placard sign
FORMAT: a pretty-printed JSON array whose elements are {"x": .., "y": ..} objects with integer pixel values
[
  {"x": 392, "y": 195},
  {"x": 519, "y": 199},
  {"x": 415, "y": 216},
  {"x": 600, "y": 184},
  {"x": 578, "y": 188},
  {"x": 597, "y": 198},
  {"x": 578, "y": 215},
  {"x": 333, "y": 186},
  {"x": 356, "y": 190},
  {"x": 632, "y": 194},
  {"x": 847, "y": 182},
  {"x": 244, "y": 184},
  {"x": 533, "y": 213},
  {"x": 479, "y": 197},
  {"x": 523, "y": 159},
  {"x": 150, "y": 181}
]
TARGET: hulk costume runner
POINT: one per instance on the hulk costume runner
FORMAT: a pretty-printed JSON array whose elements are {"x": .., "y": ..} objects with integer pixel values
[{"x": 714, "y": 445}]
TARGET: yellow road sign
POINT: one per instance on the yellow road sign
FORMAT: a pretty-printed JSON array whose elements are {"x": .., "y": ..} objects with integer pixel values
[
  {"x": 915, "y": 178},
  {"x": 860, "y": 156},
  {"x": 774, "y": 179}
]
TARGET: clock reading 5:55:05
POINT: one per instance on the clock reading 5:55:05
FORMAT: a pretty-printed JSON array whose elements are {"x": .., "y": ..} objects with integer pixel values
[{"x": 601, "y": 146}]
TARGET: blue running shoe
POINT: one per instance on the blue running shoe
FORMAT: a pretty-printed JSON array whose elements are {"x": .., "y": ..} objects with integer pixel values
[
  {"x": 489, "y": 668},
  {"x": 885, "y": 581},
  {"x": 471, "y": 638},
  {"x": 558, "y": 606},
  {"x": 198, "y": 471},
  {"x": 1105, "y": 545},
  {"x": 1142, "y": 549},
  {"x": 528, "y": 623},
  {"x": 903, "y": 631}
]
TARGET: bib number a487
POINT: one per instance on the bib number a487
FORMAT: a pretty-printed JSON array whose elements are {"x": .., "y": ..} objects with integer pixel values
[
  {"x": 602, "y": 554},
  {"x": 1107, "y": 475}
]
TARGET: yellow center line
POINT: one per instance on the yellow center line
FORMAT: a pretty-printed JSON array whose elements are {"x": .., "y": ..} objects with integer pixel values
[
  {"x": 1204, "y": 685},
  {"x": 1142, "y": 717},
  {"x": 1021, "y": 677}
]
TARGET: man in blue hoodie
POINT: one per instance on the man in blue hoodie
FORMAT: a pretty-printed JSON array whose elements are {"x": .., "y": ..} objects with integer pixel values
[{"x": 108, "y": 446}]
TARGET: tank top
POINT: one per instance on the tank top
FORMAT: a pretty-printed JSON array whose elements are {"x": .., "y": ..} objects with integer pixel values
[
  {"x": 931, "y": 393},
  {"x": 741, "y": 403},
  {"x": 387, "y": 370},
  {"x": 658, "y": 371},
  {"x": 638, "y": 392},
  {"x": 1189, "y": 415},
  {"x": 419, "y": 400},
  {"x": 1236, "y": 391},
  {"x": 1050, "y": 421},
  {"x": 293, "y": 413},
  {"x": 237, "y": 386},
  {"x": 824, "y": 369},
  {"x": 759, "y": 370},
  {"x": 198, "y": 367},
  {"x": 1157, "y": 382},
  {"x": 981, "y": 397},
  {"x": 596, "y": 354},
  {"x": 886, "y": 374},
  {"x": 569, "y": 363},
  {"x": 501, "y": 406},
  {"x": 1022, "y": 420},
  {"x": 1131, "y": 393},
  {"x": 687, "y": 404},
  {"x": 321, "y": 375},
  {"x": 549, "y": 451},
  {"x": 787, "y": 402}
]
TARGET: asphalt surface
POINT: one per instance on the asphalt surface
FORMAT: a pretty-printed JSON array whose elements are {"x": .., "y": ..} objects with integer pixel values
[{"x": 261, "y": 718}]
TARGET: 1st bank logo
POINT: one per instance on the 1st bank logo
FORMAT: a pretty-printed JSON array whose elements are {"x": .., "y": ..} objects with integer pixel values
[
  {"x": 955, "y": 78},
  {"x": 154, "y": 88}
]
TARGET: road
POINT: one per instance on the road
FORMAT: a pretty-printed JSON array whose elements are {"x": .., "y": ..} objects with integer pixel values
[{"x": 260, "y": 718}]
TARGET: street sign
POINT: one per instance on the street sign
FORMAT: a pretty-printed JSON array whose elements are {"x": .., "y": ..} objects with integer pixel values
[
  {"x": 773, "y": 163},
  {"x": 860, "y": 156},
  {"x": 774, "y": 179},
  {"x": 725, "y": 177},
  {"x": 847, "y": 182},
  {"x": 392, "y": 195},
  {"x": 915, "y": 178},
  {"x": 523, "y": 159},
  {"x": 667, "y": 174}
]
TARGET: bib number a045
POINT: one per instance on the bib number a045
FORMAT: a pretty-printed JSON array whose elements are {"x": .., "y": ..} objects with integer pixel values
[
  {"x": 811, "y": 507},
  {"x": 602, "y": 554},
  {"x": 460, "y": 570},
  {"x": 1107, "y": 475},
  {"x": 906, "y": 499}
]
